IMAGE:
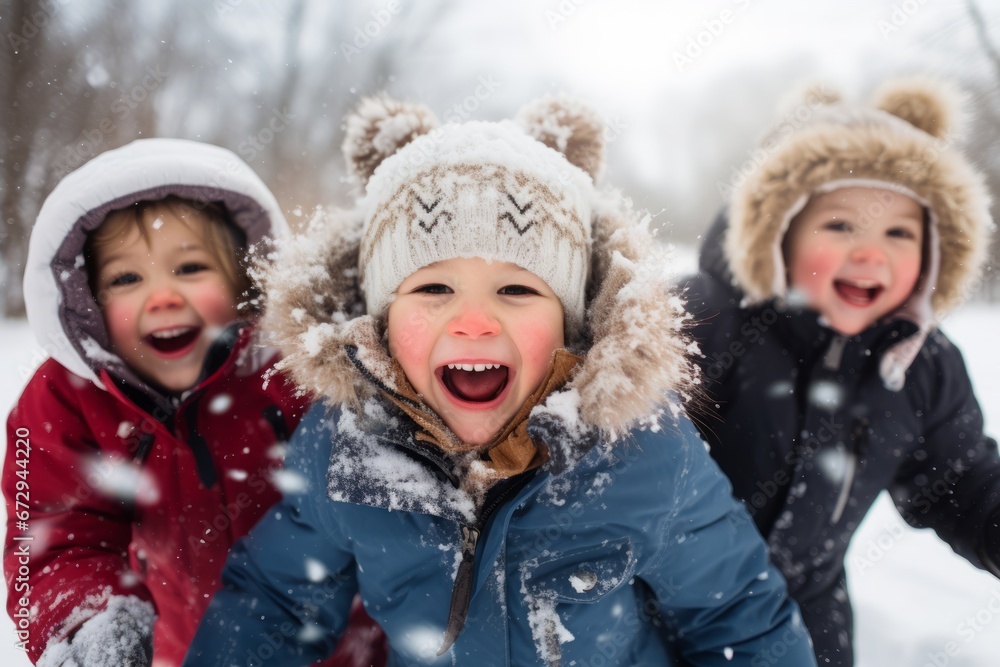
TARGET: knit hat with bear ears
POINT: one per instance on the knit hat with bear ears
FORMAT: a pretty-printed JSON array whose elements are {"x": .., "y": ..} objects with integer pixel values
[
  {"x": 903, "y": 143},
  {"x": 516, "y": 192}
]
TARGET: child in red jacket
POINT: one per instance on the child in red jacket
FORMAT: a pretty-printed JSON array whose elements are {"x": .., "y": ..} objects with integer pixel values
[{"x": 150, "y": 441}]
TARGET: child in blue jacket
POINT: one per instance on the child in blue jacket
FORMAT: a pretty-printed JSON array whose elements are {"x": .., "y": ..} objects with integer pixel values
[{"x": 499, "y": 462}]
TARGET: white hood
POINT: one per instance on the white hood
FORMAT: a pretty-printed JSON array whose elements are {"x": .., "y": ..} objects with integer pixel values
[{"x": 61, "y": 311}]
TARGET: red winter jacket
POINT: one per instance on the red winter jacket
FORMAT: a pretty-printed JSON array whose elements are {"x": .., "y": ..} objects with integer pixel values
[
  {"x": 123, "y": 502},
  {"x": 115, "y": 501}
]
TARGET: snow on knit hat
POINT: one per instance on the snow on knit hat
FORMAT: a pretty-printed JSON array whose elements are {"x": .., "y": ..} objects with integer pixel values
[
  {"x": 503, "y": 191},
  {"x": 903, "y": 143}
]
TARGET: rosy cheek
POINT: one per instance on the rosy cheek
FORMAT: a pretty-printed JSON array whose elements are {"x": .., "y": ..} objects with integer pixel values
[
  {"x": 120, "y": 323},
  {"x": 813, "y": 269},
  {"x": 410, "y": 343},
  {"x": 537, "y": 342},
  {"x": 910, "y": 271},
  {"x": 216, "y": 307}
]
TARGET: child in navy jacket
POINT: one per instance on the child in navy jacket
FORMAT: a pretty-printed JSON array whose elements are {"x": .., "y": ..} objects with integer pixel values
[{"x": 817, "y": 308}]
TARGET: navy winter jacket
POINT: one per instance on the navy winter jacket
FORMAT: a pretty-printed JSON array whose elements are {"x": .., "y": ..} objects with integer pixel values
[{"x": 803, "y": 425}]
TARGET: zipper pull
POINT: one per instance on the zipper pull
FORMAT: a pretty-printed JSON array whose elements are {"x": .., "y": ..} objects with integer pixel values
[
  {"x": 461, "y": 594},
  {"x": 834, "y": 353}
]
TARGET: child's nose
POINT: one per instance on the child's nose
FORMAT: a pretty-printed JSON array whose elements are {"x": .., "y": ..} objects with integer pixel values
[
  {"x": 164, "y": 298},
  {"x": 868, "y": 253},
  {"x": 473, "y": 322}
]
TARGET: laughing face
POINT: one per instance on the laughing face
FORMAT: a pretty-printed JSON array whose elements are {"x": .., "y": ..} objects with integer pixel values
[
  {"x": 475, "y": 339},
  {"x": 853, "y": 254},
  {"x": 164, "y": 297}
]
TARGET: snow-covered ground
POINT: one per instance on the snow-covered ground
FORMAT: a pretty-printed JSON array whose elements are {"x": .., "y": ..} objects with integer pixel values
[{"x": 917, "y": 604}]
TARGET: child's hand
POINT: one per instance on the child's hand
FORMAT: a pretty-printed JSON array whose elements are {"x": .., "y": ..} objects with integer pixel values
[{"x": 121, "y": 635}]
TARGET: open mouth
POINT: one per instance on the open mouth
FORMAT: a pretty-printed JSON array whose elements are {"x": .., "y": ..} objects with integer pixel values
[
  {"x": 171, "y": 341},
  {"x": 858, "y": 292},
  {"x": 475, "y": 383}
]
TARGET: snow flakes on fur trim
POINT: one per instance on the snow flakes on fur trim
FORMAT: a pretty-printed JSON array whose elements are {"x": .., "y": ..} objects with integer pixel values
[
  {"x": 639, "y": 353},
  {"x": 315, "y": 311}
]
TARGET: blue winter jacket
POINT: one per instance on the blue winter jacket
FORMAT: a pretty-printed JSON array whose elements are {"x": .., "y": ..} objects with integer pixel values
[{"x": 636, "y": 555}]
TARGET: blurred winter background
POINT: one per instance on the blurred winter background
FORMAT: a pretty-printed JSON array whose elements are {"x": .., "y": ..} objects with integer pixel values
[{"x": 686, "y": 88}]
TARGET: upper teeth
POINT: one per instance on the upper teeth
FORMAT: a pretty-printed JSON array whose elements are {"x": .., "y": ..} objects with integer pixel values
[
  {"x": 863, "y": 284},
  {"x": 472, "y": 367},
  {"x": 171, "y": 333}
]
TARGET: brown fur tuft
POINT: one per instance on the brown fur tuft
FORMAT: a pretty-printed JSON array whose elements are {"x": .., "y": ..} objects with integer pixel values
[
  {"x": 380, "y": 127},
  {"x": 929, "y": 105},
  {"x": 568, "y": 126}
]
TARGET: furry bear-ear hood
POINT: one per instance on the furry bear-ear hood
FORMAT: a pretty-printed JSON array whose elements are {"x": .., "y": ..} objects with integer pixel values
[
  {"x": 903, "y": 143},
  {"x": 636, "y": 356}
]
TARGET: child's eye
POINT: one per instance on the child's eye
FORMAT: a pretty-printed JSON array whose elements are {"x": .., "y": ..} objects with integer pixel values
[
  {"x": 433, "y": 288},
  {"x": 516, "y": 290},
  {"x": 123, "y": 279},
  {"x": 189, "y": 268},
  {"x": 901, "y": 233},
  {"x": 837, "y": 226}
]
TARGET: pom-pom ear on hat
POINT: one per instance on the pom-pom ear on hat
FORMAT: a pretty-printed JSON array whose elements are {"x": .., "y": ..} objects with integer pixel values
[
  {"x": 929, "y": 105},
  {"x": 379, "y": 128},
  {"x": 568, "y": 126}
]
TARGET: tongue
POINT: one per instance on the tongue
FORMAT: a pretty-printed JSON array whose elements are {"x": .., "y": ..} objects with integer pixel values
[
  {"x": 477, "y": 386},
  {"x": 855, "y": 294},
  {"x": 175, "y": 343}
]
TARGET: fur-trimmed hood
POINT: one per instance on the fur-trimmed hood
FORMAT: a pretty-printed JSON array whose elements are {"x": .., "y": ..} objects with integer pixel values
[
  {"x": 635, "y": 354},
  {"x": 905, "y": 144},
  {"x": 61, "y": 309}
]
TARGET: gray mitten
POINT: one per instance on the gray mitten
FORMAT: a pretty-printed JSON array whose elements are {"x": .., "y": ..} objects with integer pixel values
[{"x": 121, "y": 635}]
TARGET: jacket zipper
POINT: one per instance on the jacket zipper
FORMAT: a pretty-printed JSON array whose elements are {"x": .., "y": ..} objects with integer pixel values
[
  {"x": 461, "y": 592},
  {"x": 855, "y": 460},
  {"x": 831, "y": 362}
]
